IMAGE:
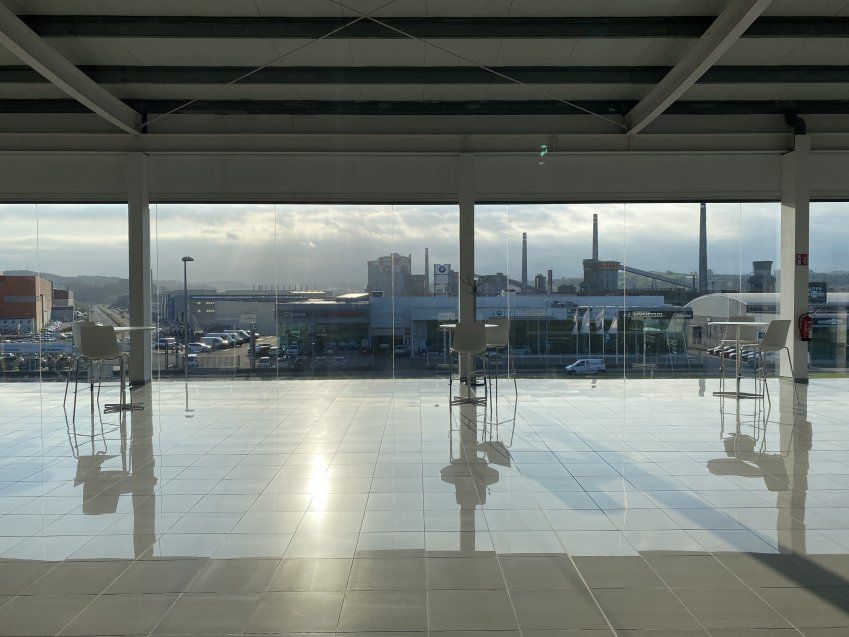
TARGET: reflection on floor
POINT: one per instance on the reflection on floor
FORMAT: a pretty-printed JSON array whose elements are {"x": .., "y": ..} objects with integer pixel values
[{"x": 240, "y": 507}]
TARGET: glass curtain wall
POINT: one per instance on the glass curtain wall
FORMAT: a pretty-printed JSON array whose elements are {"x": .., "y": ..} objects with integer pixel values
[
  {"x": 330, "y": 290},
  {"x": 59, "y": 263},
  {"x": 828, "y": 291}
]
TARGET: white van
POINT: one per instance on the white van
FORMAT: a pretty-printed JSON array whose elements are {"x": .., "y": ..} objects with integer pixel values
[
  {"x": 225, "y": 338},
  {"x": 213, "y": 341},
  {"x": 586, "y": 366}
]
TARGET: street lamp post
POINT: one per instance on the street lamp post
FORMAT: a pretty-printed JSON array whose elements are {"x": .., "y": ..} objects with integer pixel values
[{"x": 186, "y": 315}]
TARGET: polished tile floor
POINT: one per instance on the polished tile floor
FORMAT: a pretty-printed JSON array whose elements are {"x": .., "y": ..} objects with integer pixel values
[{"x": 587, "y": 507}]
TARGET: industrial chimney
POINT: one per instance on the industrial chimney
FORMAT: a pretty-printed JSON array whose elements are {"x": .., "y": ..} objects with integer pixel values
[
  {"x": 595, "y": 237},
  {"x": 703, "y": 276},
  {"x": 524, "y": 261},
  {"x": 550, "y": 282},
  {"x": 427, "y": 273}
]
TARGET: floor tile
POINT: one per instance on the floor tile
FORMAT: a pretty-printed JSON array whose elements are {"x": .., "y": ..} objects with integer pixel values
[
  {"x": 693, "y": 571},
  {"x": 470, "y": 610},
  {"x": 464, "y": 573},
  {"x": 208, "y": 613},
  {"x": 384, "y": 610},
  {"x": 617, "y": 572},
  {"x": 388, "y": 574},
  {"x": 40, "y": 615},
  {"x": 156, "y": 576},
  {"x": 311, "y": 575},
  {"x": 296, "y": 612},
  {"x": 812, "y": 607},
  {"x": 644, "y": 609},
  {"x": 557, "y": 610},
  {"x": 129, "y": 614},
  {"x": 233, "y": 576},
  {"x": 533, "y": 572}
]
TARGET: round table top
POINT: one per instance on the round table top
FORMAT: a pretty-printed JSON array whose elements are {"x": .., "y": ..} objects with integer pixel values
[
  {"x": 451, "y": 326},
  {"x": 751, "y": 323}
]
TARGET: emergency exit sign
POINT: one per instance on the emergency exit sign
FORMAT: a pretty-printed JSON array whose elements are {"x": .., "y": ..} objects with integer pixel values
[{"x": 802, "y": 258}]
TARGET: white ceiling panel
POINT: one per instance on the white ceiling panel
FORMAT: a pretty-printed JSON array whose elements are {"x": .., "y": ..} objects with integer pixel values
[
  {"x": 768, "y": 52},
  {"x": 768, "y": 92},
  {"x": 483, "y": 52},
  {"x": 807, "y": 7},
  {"x": 31, "y": 92},
  {"x": 544, "y": 52},
  {"x": 239, "y": 52},
  {"x": 387, "y": 52},
  {"x": 166, "y": 52},
  {"x": 95, "y": 50}
]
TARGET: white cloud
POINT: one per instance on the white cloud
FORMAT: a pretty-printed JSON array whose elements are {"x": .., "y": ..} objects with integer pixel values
[{"x": 329, "y": 244}]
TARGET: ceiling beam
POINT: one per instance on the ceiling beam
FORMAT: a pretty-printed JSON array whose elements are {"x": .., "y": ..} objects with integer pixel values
[
  {"x": 437, "y": 108},
  {"x": 435, "y": 75},
  {"x": 725, "y": 31},
  {"x": 422, "y": 27},
  {"x": 35, "y": 52}
]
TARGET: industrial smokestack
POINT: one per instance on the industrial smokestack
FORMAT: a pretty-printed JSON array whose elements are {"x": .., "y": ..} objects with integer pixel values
[
  {"x": 595, "y": 237},
  {"x": 427, "y": 272},
  {"x": 703, "y": 282},
  {"x": 524, "y": 261},
  {"x": 550, "y": 281}
]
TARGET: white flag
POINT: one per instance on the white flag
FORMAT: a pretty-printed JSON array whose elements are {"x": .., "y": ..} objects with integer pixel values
[
  {"x": 575, "y": 323},
  {"x": 599, "y": 321},
  {"x": 585, "y": 324},
  {"x": 614, "y": 325}
]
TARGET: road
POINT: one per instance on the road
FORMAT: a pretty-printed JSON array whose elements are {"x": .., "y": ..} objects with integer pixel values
[{"x": 100, "y": 314}]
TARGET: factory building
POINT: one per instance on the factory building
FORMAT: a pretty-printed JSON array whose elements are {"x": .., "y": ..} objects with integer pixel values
[{"x": 25, "y": 303}]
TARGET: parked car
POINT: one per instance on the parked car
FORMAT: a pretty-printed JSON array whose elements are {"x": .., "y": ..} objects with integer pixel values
[
  {"x": 264, "y": 363},
  {"x": 169, "y": 343},
  {"x": 586, "y": 366},
  {"x": 293, "y": 351},
  {"x": 212, "y": 341},
  {"x": 197, "y": 348},
  {"x": 193, "y": 360},
  {"x": 274, "y": 352},
  {"x": 236, "y": 338},
  {"x": 226, "y": 339}
]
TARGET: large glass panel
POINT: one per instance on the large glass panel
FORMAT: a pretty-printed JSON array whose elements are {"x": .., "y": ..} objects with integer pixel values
[
  {"x": 332, "y": 290},
  {"x": 828, "y": 295},
  {"x": 25, "y": 297},
  {"x": 60, "y": 262}
]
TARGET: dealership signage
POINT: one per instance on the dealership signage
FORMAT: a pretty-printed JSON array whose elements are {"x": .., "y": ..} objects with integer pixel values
[
  {"x": 817, "y": 292},
  {"x": 326, "y": 313}
]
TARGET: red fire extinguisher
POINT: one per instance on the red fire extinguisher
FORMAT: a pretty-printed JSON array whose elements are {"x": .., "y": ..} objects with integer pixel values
[{"x": 806, "y": 324}]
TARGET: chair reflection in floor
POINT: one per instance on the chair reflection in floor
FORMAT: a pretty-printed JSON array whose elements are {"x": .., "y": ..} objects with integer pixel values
[
  {"x": 468, "y": 460},
  {"x": 103, "y": 487},
  {"x": 785, "y": 470}
]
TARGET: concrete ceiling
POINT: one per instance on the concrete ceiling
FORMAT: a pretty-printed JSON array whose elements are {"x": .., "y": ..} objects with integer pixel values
[{"x": 210, "y": 43}]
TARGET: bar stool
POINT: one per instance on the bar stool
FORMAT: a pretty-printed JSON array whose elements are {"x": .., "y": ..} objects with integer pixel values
[
  {"x": 774, "y": 340},
  {"x": 95, "y": 343},
  {"x": 469, "y": 340}
]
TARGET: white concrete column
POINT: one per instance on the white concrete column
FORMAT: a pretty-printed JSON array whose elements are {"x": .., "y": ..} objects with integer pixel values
[
  {"x": 138, "y": 214},
  {"x": 795, "y": 219},
  {"x": 466, "y": 292}
]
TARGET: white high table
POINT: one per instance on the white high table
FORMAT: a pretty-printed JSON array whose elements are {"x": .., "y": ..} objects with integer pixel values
[
  {"x": 125, "y": 406},
  {"x": 449, "y": 327},
  {"x": 737, "y": 325}
]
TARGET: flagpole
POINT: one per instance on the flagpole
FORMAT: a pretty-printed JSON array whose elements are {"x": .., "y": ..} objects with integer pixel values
[{"x": 603, "y": 335}]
